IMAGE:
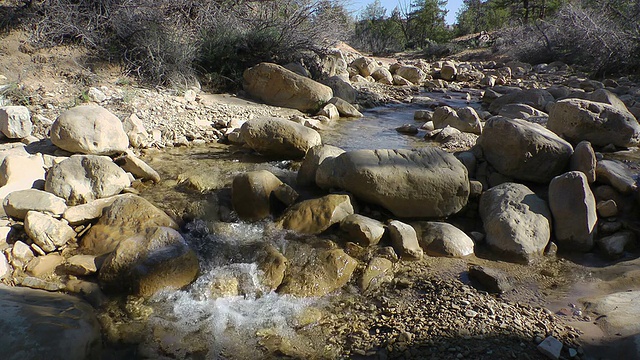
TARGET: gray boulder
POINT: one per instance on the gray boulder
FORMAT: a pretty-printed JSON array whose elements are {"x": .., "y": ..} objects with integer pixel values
[
  {"x": 82, "y": 178},
  {"x": 424, "y": 183},
  {"x": 89, "y": 129},
  {"x": 344, "y": 108},
  {"x": 523, "y": 150},
  {"x": 521, "y": 111},
  {"x": 573, "y": 207},
  {"x": 446, "y": 116},
  {"x": 405, "y": 240},
  {"x": 15, "y": 122},
  {"x": 342, "y": 89},
  {"x": 146, "y": 263},
  {"x": 443, "y": 239},
  {"x": 37, "y": 324},
  {"x": 411, "y": 73},
  {"x": 584, "y": 160},
  {"x": 516, "y": 221},
  {"x": 278, "y": 86},
  {"x": 279, "y": 137},
  {"x": 600, "y": 124},
  {"x": 616, "y": 174}
]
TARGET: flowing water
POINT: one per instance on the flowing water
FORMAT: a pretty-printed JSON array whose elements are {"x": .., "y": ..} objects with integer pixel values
[{"x": 226, "y": 312}]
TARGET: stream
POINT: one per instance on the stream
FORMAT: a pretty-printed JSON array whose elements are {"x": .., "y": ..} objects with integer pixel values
[{"x": 227, "y": 314}]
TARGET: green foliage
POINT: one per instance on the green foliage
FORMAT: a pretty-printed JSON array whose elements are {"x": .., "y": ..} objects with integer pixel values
[{"x": 377, "y": 33}]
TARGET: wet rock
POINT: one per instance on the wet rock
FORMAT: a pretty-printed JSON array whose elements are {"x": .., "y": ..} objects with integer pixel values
[
  {"x": 278, "y": 86},
  {"x": 82, "y": 178},
  {"x": 40, "y": 325},
  {"x": 127, "y": 216},
  {"x": 148, "y": 262},
  {"x": 523, "y": 150},
  {"x": 138, "y": 168},
  {"x": 48, "y": 233},
  {"x": 537, "y": 98},
  {"x": 18, "y": 203},
  {"x": 621, "y": 312},
  {"x": 90, "y": 291},
  {"x": 81, "y": 214},
  {"x": 517, "y": 222},
  {"x": 252, "y": 194},
  {"x": 584, "y": 160},
  {"x": 573, "y": 207},
  {"x": 405, "y": 240},
  {"x": 423, "y": 115},
  {"x": 89, "y": 129},
  {"x": 615, "y": 245},
  {"x": 279, "y": 137},
  {"x": 363, "y": 230},
  {"x": 344, "y": 108},
  {"x": 443, "y": 239},
  {"x": 224, "y": 286},
  {"x": 273, "y": 266},
  {"x": 330, "y": 111},
  {"x": 446, "y": 116},
  {"x": 491, "y": 280},
  {"x": 408, "y": 129},
  {"x": 424, "y": 183},
  {"x": 600, "y": 124},
  {"x": 616, "y": 174},
  {"x": 550, "y": 347},
  {"x": 15, "y": 122},
  {"x": 316, "y": 215},
  {"x": 378, "y": 271},
  {"x": 327, "y": 272}
]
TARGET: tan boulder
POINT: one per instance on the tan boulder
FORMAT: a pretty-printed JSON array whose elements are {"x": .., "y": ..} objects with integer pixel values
[
  {"x": 89, "y": 129},
  {"x": 316, "y": 215},
  {"x": 278, "y": 86},
  {"x": 279, "y": 138}
]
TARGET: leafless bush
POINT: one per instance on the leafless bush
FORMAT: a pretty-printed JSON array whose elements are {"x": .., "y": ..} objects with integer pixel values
[
  {"x": 169, "y": 41},
  {"x": 594, "y": 38}
]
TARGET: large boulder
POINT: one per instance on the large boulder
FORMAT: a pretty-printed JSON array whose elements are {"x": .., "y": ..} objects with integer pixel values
[
  {"x": 37, "y": 324},
  {"x": 342, "y": 88},
  {"x": 443, "y": 239},
  {"x": 148, "y": 262},
  {"x": 278, "y": 86},
  {"x": 15, "y": 122},
  {"x": 517, "y": 222},
  {"x": 82, "y": 178},
  {"x": 327, "y": 272},
  {"x": 600, "y": 124},
  {"x": 573, "y": 207},
  {"x": 127, "y": 216},
  {"x": 279, "y": 137},
  {"x": 424, "y": 183},
  {"x": 537, "y": 98},
  {"x": 316, "y": 215},
  {"x": 89, "y": 129},
  {"x": 18, "y": 203},
  {"x": 523, "y": 150}
]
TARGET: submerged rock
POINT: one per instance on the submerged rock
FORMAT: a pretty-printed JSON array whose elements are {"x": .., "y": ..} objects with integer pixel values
[
  {"x": 148, "y": 262},
  {"x": 253, "y": 194},
  {"x": 38, "y": 324},
  {"x": 327, "y": 272},
  {"x": 378, "y": 271}
]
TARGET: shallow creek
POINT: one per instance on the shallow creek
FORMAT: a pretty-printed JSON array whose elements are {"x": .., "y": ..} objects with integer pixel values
[{"x": 195, "y": 323}]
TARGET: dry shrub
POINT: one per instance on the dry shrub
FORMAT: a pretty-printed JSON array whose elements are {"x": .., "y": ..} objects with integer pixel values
[{"x": 593, "y": 38}]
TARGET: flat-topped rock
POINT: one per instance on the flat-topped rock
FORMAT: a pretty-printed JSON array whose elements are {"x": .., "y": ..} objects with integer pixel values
[
  {"x": 279, "y": 137},
  {"x": 18, "y": 203}
]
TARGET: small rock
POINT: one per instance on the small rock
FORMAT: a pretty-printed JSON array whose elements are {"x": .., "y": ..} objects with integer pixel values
[
  {"x": 81, "y": 265},
  {"x": 405, "y": 240},
  {"x": 47, "y": 232},
  {"x": 15, "y": 122},
  {"x": 550, "y": 347},
  {"x": 492, "y": 280},
  {"x": 138, "y": 168},
  {"x": 607, "y": 208}
]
